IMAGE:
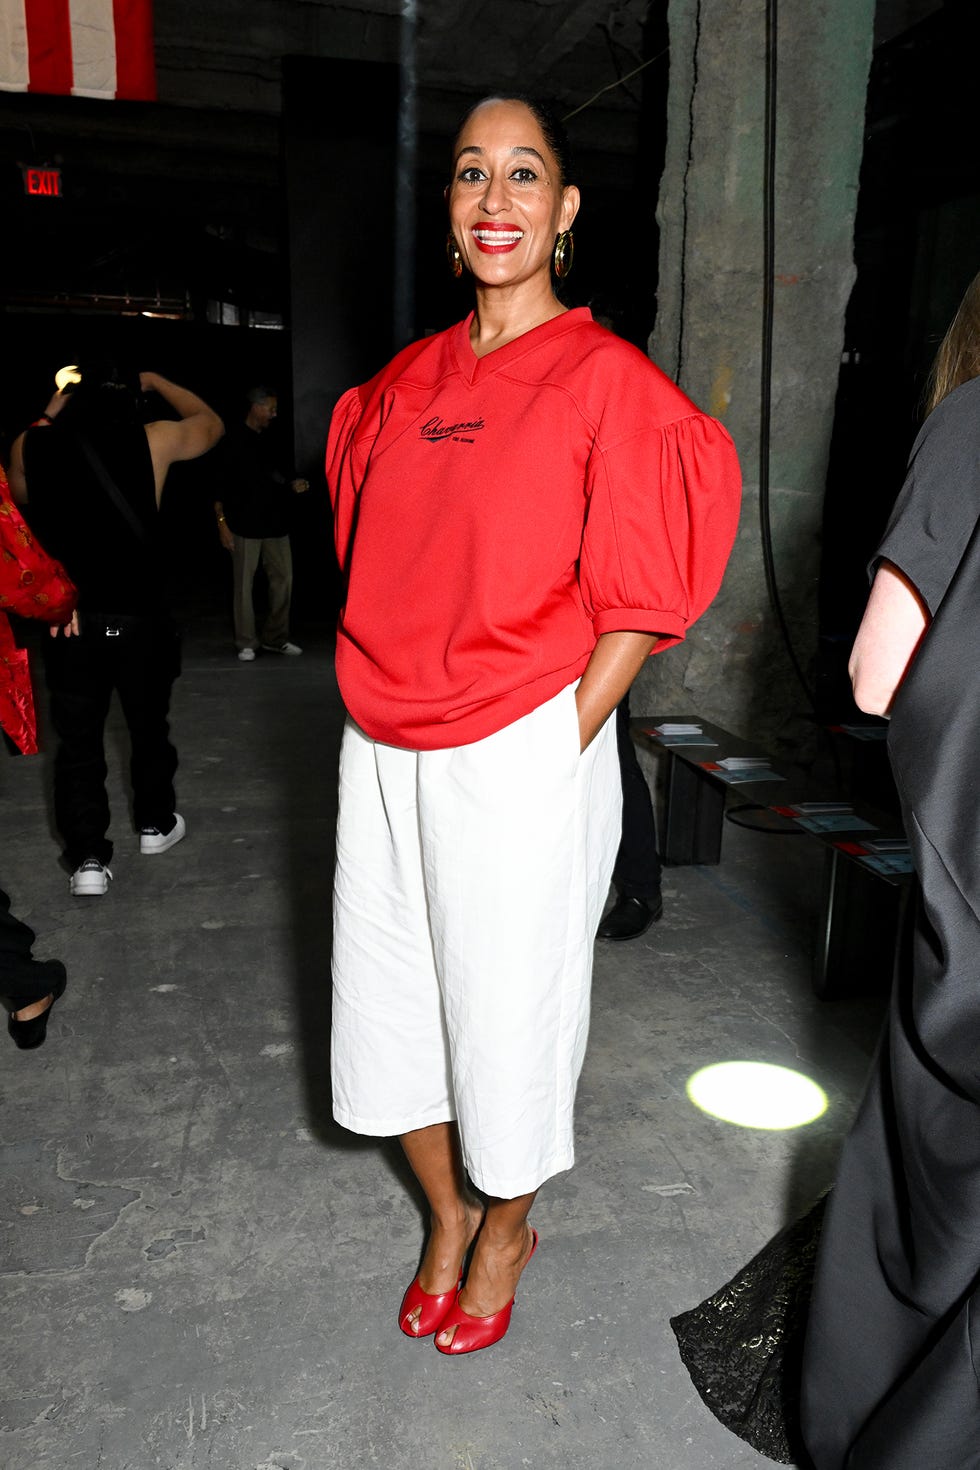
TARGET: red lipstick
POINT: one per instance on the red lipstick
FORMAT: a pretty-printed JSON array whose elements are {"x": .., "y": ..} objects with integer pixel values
[{"x": 510, "y": 236}]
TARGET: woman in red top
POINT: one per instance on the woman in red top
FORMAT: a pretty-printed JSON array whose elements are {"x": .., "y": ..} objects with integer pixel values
[{"x": 525, "y": 509}]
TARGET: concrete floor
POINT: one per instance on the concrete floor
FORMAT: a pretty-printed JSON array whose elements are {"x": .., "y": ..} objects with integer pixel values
[{"x": 199, "y": 1270}]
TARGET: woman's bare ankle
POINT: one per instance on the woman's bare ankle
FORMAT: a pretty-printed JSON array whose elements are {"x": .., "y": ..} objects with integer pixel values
[
  {"x": 37, "y": 1008},
  {"x": 508, "y": 1240},
  {"x": 450, "y": 1237},
  {"x": 453, "y": 1218}
]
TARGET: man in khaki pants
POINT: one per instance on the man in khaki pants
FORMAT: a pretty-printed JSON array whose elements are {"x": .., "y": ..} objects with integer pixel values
[{"x": 253, "y": 524}]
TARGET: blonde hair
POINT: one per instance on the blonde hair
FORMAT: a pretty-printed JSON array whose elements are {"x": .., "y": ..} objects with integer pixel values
[{"x": 958, "y": 358}]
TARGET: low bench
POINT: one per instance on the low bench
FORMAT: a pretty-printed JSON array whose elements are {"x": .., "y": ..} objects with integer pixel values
[{"x": 863, "y": 890}]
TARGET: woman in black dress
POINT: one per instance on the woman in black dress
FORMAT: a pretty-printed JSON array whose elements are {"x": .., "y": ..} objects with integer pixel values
[{"x": 893, "y": 1345}]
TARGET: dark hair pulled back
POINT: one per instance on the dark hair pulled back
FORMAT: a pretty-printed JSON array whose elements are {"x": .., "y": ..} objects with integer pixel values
[{"x": 548, "y": 120}]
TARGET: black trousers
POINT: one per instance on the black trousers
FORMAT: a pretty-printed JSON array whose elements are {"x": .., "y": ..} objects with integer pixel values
[
  {"x": 638, "y": 871},
  {"x": 139, "y": 658},
  {"x": 23, "y": 979},
  {"x": 893, "y": 1339}
]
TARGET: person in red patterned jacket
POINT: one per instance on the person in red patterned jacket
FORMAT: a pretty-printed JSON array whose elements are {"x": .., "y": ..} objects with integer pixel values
[{"x": 32, "y": 585}]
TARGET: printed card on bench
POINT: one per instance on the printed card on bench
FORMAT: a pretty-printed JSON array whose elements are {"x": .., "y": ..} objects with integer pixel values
[
  {"x": 835, "y": 822},
  {"x": 741, "y": 777},
  {"x": 889, "y": 863},
  {"x": 701, "y": 740}
]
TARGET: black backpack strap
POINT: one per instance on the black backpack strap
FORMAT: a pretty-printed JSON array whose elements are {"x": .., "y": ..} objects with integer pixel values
[{"x": 113, "y": 491}]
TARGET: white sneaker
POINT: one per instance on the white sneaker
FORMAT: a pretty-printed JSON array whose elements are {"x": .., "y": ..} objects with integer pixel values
[
  {"x": 153, "y": 840},
  {"x": 281, "y": 648},
  {"x": 90, "y": 879},
  {"x": 246, "y": 655}
]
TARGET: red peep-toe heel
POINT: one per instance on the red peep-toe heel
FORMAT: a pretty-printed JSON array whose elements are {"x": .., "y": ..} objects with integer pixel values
[
  {"x": 474, "y": 1333},
  {"x": 433, "y": 1309}
]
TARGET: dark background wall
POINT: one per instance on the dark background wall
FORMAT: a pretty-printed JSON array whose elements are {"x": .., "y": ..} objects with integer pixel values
[
  {"x": 339, "y": 135},
  {"x": 196, "y": 232},
  {"x": 242, "y": 228},
  {"x": 917, "y": 247}
]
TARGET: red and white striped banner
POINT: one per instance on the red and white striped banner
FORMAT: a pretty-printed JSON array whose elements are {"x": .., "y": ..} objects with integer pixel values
[{"x": 85, "y": 48}]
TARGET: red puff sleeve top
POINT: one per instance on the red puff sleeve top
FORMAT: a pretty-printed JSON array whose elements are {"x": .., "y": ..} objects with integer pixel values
[{"x": 494, "y": 516}]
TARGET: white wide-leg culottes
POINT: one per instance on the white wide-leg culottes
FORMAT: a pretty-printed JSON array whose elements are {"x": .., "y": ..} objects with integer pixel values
[{"x": 470, "y": 883}]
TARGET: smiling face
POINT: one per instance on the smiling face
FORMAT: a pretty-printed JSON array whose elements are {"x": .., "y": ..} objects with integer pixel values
[{"x": 507, "y": 200}]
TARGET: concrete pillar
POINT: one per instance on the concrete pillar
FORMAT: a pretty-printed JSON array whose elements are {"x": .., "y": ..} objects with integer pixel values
[
  {"x": 340, "y": 121},
  {"x": 733, "y": 667},
  {"x": 339, "y": 127}
]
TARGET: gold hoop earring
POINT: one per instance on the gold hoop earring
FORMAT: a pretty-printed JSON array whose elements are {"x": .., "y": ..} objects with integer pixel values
[
  {"x": 453, "y": 256},
  {"x": 564, "y": 254}
]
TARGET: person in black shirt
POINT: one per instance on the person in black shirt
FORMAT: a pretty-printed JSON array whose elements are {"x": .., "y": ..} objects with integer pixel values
[
  {"x": 638, "y": 872},
  {"x": 89, "y": 476},
  {"x": 253, "y": 524}
]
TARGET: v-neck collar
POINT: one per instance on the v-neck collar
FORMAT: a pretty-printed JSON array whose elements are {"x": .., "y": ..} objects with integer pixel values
[{"x": 474, "y": 369}]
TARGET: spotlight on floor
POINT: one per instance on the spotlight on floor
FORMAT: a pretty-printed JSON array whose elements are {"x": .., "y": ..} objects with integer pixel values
[{"x": 756, "y": 1095}]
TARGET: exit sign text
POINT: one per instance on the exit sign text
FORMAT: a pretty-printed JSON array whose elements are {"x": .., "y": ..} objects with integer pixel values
[{"x": 43, "y": 181}]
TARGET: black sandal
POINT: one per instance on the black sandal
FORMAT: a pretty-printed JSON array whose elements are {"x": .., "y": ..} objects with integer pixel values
[{"x": 51, "y": 980}]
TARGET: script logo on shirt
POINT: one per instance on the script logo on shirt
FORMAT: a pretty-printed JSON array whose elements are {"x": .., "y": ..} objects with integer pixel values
[{"x": 436, "y": 430}]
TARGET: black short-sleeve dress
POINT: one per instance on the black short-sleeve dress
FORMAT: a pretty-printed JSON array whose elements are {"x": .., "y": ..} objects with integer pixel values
[{"x": 892, "y": 1365}]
